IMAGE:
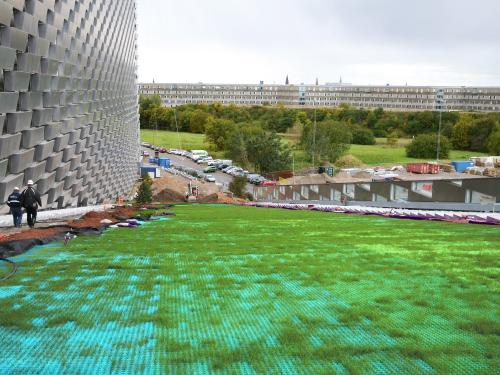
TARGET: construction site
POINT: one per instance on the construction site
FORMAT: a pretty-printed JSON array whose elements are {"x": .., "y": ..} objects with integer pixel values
[{"x": 218, "y": 288}]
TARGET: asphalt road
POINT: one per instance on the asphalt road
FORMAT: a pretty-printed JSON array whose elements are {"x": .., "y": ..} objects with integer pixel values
[{"x": 177, "y": 160}]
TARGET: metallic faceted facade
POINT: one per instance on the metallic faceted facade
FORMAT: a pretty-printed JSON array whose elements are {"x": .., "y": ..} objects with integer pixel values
[{"x": 68, "y": 99}]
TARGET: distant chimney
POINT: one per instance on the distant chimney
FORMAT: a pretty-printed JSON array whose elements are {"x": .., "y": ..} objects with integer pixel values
[{"x": 287, "y": 82}]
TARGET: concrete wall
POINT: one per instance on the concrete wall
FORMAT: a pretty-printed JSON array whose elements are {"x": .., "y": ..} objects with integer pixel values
[
  {"x": 68, "y": 99},
  {"x": 474, "y": 192}
]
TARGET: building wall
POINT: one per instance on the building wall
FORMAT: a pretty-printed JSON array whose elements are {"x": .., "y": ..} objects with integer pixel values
[
  {"x": 464, "y": 191},
  {"x": 401, "y": 98},
  {"x": 68, "y": 99}
]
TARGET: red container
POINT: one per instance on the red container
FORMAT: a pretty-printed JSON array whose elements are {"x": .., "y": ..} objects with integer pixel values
[
  {"x": 422, "y": 168},
  {"x": 269, "y": 183},
  {"x": 433, "y": 168},
  {"x": 417, "y": 168}
]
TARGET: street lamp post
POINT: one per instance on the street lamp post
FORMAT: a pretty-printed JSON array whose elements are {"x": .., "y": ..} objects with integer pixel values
[
  {"x": 440, "y": 104},
  {"x": 314, "y": 133},
  {"x": 439, "y": 136}
]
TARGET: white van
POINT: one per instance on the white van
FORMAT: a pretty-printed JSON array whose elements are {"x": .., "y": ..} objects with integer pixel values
[{"x": 199, "y": 153}]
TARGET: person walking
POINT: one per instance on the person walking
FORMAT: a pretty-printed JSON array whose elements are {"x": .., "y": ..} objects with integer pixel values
[
  {"x": 14, "y": 202},
  {"x": 30, "y": 199}
]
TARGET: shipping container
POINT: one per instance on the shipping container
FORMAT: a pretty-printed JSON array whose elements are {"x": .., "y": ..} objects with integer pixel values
[
  {"x": 164, "y": 162},
  {"x": 417, "y": 168},
  {"x": 152, "y": 171},
  {"x": 433, "y": 168}
]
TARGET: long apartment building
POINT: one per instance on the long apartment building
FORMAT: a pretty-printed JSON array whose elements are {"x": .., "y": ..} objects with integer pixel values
[{"x": 400, "y": 98}]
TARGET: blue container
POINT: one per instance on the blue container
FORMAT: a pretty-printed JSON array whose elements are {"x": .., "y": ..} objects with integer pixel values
[
  {"x": 164, "y": 162},
  {"x": 153, "y": 160},
  {"x": 145, "y": 170},
  {"x": 461, "y": 166}
]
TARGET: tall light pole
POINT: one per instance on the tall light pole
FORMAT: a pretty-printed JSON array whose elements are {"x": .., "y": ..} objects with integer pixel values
[
  {"x": 440, "y": 104},
  {"x": 314, "y": 133}
]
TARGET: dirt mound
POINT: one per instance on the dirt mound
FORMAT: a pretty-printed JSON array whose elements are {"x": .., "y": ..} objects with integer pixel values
[
  {"x": 212, "y": 198},
  {"x": 170, "y": 188},
  {"x": 224, "y": 198},
  {"x": 93, "y": 219},
  {"x": 169, "y": 195},
  {"x": 33, "y": 233}
]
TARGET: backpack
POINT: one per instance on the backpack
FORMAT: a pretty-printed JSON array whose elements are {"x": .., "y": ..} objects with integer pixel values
[{"x": 29, "y": 199}]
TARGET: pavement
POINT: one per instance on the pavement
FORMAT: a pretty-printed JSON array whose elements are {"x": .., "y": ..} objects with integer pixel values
[
  {"x": 177, "y": 160},
  {"x": 52, "y": 216}
]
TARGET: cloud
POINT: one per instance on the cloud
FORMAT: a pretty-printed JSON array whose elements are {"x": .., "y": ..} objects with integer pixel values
[{"x": 365, "y": 41}]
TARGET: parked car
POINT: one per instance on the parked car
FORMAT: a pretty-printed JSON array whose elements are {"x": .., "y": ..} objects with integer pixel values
[
  {"x": 258, "y": 180},
  {"x": 204, "y": 159},
  {"x": 252, "y": 177},
  {"x": 210, "y": 169},
  {"x": 163, "y": 150},
  {"x": 209, "y": 178},
  {"x": 236, "y": 171}
]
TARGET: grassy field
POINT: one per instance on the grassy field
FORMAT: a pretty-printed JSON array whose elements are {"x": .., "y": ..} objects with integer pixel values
[
  {"x": 223, "y": 289},
  {"x": 184, "y": 141},
  {"x": 378, "y": 154}
]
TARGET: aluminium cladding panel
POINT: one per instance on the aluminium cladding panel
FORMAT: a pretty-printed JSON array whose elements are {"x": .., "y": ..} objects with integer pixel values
[{"x": 68, "y": 112}]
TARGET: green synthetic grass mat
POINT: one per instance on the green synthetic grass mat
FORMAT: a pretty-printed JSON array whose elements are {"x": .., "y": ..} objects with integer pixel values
[{"x": 223, "y": 289}]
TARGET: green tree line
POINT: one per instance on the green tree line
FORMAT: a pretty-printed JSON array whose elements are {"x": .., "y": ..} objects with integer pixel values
[{"x": 245, "y": 132}]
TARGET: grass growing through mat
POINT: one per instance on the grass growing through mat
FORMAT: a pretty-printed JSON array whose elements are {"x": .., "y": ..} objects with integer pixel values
[{"x": 247, "y": 290}]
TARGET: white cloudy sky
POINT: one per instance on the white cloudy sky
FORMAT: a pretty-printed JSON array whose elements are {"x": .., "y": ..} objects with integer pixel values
[{"x": 419, "y": 42}]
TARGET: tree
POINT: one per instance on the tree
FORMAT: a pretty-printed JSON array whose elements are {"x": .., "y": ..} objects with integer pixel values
[
  {"x": 479, "y": 133},
  {"x": 268, "y": 153},
  {"x": 494, "y": 142},
  {"x": 218, "y": 132},
  {"x": 348, "y": 161},
  {"x": 386, "y": 124},
  {"x": 149, "y": 101},
  {"x": 328, "y": 140},
  {"x": 249, "y": 144},
  {"x": 362, "y": 136},
  {"x": 145, "y": 193},
  {"x": 460, "y": 135},
  {"x": 198, "y": 121},
  {"x": 147, "y": 107},
  {"x": 424, "y": 146},
  {"x": 237, "y": 186},
  {"x": 392, "y": 138}
]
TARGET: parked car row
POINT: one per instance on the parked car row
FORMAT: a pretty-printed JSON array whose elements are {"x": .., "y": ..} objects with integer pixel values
[
  {"x": 162, "y": 150},
  {"x": 195, "y": 173},
  {"x": 212, "y": 165},
  {"x": 177, "y": 172}
]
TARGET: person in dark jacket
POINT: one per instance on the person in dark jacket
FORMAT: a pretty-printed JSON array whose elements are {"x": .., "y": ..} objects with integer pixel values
[
  {"x": 30, "y": 199},
  {"x": 14, "y": 202}
]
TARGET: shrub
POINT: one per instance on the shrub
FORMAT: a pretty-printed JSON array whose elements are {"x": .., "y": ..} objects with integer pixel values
[
  {"x": 392, "y": 139},
  {"x": 348, "y": 161},
  {"x": 424, "y": 146},
  {"x": 145, "y": 193},
  {"x": 362, "y": 136},
  {"x": 494, "y": 143},
  {"x": 237, "y": 186}
]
